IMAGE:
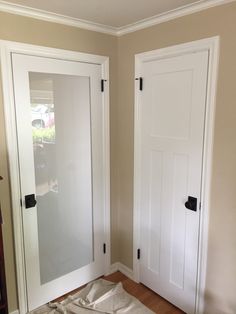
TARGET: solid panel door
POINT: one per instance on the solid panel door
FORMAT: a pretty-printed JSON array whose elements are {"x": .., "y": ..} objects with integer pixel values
[
  {"x": 59, "y": 127},
  {"x": 172, "y": 131}
]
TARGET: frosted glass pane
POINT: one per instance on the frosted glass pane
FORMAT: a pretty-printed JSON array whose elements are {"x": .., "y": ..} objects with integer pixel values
[{"x": 61, "y": 128}]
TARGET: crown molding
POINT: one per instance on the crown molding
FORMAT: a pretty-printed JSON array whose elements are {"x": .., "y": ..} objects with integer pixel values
[
  {"x": 171, "y": 15},
  {"x": 55, "y": 18},
  {"x": 116, "y": 31}
]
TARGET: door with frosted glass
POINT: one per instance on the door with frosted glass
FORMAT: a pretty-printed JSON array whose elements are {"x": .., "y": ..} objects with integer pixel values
[{"x": 59, "y": 126}]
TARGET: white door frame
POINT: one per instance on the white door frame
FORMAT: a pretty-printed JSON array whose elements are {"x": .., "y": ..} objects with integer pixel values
[
  {"x": 6, "y": 50},
  {"x": 212, "y": 46}
]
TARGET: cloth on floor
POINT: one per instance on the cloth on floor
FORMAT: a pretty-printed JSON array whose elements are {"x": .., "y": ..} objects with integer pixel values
[{"x": 100, "y": 296}]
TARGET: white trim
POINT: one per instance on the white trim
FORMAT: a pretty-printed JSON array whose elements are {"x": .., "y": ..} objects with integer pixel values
[
  {"x": 171, "y": 15},
  {"x": 123, "y": 269},
  {"x": 113, "y": 268},
  {"x": 6, "y": 49},
  {"x": 106, "y": 161},
  {"x": 126, "y": 271},
  {"x": 55, "y": 18},
  {"x": 214, "y": 51},
  {"x": 10, "y": 122},
  {"x": 107, "y": 29},
  {"x": 211, "y": 45},
  {"x": 15, "y": 312}
]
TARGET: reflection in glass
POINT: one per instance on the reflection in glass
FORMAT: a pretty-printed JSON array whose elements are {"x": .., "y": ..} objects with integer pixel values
[{"x": 60, "y": 117}]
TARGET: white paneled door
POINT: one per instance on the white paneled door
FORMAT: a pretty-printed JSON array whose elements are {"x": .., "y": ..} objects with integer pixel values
[
  {"x": 59, "y": 115},
  {"x": 172, "y": 114}
]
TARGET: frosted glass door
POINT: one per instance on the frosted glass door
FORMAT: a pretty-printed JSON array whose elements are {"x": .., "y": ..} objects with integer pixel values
[
  {"x": 60, "y": 115},
  {"x": 60, "y": 138}
]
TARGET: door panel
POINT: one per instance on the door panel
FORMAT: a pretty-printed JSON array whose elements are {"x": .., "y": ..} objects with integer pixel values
[
  {"x": 59, "y": 126},
  {"x": 62, "y": 162},
  {"x": 172, "y": 130},
  {"x": 175, "y": 85}
]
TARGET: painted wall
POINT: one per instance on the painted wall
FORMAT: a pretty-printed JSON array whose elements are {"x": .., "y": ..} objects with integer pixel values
[
  {"x": 221, "y": 283},
  {"x": 22, "y": 29}
]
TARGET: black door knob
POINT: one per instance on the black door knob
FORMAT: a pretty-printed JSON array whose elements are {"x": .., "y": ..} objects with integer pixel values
[
  {"x": 191, "y": 203},
  {"x": 30, "y": 201}
]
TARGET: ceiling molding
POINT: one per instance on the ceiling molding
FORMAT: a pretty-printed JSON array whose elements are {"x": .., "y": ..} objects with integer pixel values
[
  {"x": 55, "y": 18},
  {"x": 116, "y": 31},
  {"x": 170, "y": 15}
]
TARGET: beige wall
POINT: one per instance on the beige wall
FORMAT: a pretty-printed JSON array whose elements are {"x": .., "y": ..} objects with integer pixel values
[
  {"x": 221, "y": 277},
  {"x": 17, "y": 28},
  {"x": 221, "y": 285}
]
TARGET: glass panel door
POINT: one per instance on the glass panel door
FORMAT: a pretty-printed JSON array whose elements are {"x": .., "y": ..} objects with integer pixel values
[
  {"x": 60, "y": 118},
  {"x": 59, "y": 115}
]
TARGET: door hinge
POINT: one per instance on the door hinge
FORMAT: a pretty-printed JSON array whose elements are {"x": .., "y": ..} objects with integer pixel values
[
  {"x": 140, "y": 79},
  {"x": 138, "y": 253},
  {"x": 104, "y": 248},
  {"x": 102, "y": 85},
  {"x": 200, "y": 205},
  {"x": 21, "y": 203}
]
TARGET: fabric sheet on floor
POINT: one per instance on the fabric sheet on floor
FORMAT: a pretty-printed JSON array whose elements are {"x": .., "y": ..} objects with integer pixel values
[{"x": 100, "y": 296}]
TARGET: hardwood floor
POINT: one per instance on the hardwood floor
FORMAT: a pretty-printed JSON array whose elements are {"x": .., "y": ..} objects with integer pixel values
[{"x": 152, "y": 300}]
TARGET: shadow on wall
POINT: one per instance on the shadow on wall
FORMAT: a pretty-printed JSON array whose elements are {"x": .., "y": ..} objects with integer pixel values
[{"x": 215, "y": 303}]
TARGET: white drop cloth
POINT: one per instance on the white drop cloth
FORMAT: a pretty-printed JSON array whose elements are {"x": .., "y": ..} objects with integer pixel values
[{"x": 100, "y": 296}]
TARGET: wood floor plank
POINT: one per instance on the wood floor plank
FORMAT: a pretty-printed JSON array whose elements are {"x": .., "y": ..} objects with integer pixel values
[{"x": 152, "y": 300}]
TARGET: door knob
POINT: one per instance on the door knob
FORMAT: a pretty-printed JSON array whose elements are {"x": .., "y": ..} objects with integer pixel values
[
  {"x": 191, "y": 203},
  {"x": 30, "y": 201}
]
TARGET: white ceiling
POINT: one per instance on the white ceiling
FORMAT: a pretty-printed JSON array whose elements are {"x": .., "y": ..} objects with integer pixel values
[{"x": 112, "y": 13}]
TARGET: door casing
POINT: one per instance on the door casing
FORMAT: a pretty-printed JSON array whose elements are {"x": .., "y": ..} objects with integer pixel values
[
  {"x": 6, "y": 49},
  {"x": 212, "y": 46}
]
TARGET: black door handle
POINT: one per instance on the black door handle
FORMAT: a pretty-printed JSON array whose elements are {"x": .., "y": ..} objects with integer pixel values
[
  {"x": 191, "y": 203},
  {"x": 30, "y": 201}
]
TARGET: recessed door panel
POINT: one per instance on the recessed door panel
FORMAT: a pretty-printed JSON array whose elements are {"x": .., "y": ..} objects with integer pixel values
[
  {"x": 154, "y": 240},
  {"x": 175, "y": 85}
]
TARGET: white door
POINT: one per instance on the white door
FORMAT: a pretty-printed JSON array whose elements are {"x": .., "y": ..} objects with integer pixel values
[
  {"x": 58, "y": 107},
  {"x": 172, "y": 112}
]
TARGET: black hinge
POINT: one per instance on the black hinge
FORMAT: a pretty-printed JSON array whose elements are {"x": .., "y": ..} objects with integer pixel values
[
  {"x": 102, "y": 85},
  {"x": 138, "y": 253},
  {"x": 140, "y": 79},
  {"x": 104, "y": 248}
]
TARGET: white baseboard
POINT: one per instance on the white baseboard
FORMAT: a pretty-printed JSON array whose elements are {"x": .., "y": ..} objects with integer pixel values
[
  {"x": 113, "y": 268},
  {"x": 15, "y": 312},
  {"x": 123, "y": 269}
]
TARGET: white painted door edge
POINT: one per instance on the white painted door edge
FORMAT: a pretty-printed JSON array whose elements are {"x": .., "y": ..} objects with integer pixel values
[
  {"x": 212, "y": 46},
  {"x": 6, "y": 49}
]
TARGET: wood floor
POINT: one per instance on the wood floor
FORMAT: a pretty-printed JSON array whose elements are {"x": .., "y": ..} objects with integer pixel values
[{"x": 152, "y": 300}]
